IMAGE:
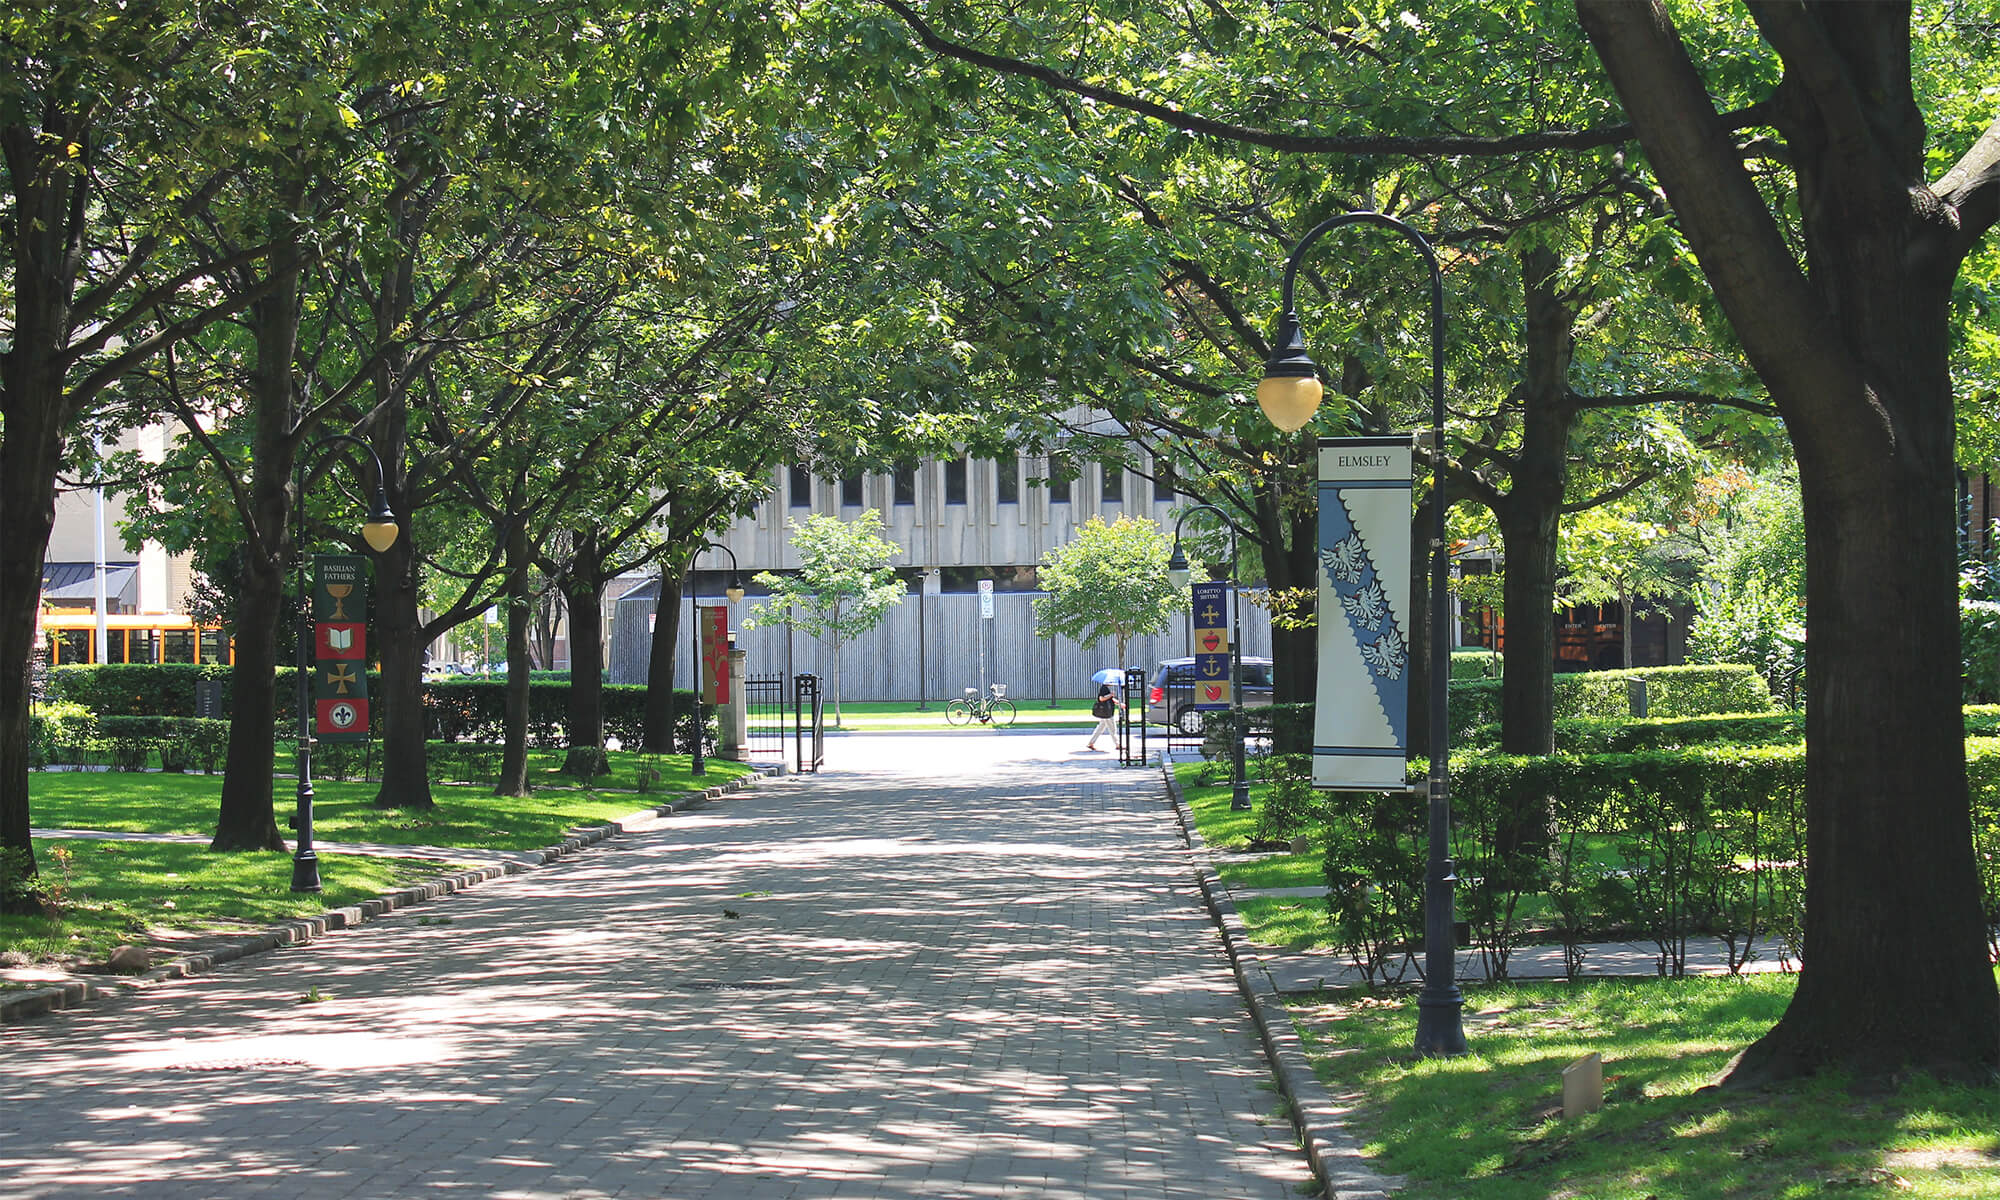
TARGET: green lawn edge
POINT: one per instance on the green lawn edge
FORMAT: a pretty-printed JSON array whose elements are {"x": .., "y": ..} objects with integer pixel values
[{"x": 1488, "y": 1125}]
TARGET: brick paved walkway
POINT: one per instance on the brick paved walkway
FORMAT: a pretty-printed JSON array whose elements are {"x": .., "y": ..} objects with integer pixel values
[{"x": 966, "y": 966}]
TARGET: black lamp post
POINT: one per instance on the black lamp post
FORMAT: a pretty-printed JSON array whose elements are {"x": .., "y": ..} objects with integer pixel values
[
  {"x": 1177, "y": 573},
  {"x": 697, "y": 764},
  {"x": 380, "y": 533},
  {"x": 1289, "y": 393}
]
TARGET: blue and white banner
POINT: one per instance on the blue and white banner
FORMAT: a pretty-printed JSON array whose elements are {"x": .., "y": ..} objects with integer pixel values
[{"x": 1361, "y": 728}]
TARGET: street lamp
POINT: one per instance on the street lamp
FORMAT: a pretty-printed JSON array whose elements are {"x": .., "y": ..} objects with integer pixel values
[
  {"x": 1177, "y": 574},
  {"x": 380, "y": 533},
  {"x": 733, "y": 589},
  {"x": 1289, "y": 392}
]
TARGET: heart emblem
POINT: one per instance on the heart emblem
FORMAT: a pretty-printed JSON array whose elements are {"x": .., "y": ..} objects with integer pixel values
[
  {"x": 1214, "y": 691},
  {"x": 1209, "y": 641}
]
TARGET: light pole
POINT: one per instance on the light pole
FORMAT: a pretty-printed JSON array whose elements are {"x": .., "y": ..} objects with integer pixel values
[
  {"x": 1177, "y": 574},
  {"x": 380, "y": 533},
  {"x": 1288, "y": 394},
  {"x": 697, "y": 764}
]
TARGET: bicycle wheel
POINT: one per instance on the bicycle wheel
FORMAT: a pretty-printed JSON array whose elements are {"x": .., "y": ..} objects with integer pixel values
[
  {"x": 1000, "y": 712},
  {"x": 958, "y": 712}
]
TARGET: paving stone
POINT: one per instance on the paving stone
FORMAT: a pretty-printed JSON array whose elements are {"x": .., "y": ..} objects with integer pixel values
[{"x": 973, "y": 967}]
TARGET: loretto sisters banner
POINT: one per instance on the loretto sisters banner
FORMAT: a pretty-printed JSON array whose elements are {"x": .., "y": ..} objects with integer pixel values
[{"x": 1361, "y": 727}]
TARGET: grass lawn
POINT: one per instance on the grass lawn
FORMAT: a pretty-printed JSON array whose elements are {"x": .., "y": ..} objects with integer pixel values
[
  {"x": 131, "y": 891},
  {"x": 1297, "y": 923},
  {"x": 162, "y": 892},
  {"x": 343, "y": 811},
  {"x": 1488, "y": 1126}
]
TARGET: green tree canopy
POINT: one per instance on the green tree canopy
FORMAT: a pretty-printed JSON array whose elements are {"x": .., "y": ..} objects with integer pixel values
[{"x": 1109, "y": 581}]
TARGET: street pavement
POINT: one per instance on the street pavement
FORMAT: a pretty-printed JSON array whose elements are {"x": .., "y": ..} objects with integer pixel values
[{"x": 948, "y": 966}]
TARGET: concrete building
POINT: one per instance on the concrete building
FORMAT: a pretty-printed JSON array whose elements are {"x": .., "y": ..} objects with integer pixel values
[{"x": 959, "y": 522}]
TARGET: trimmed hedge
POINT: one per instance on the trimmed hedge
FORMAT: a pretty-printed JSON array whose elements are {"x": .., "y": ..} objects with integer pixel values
[
  {"x": 460, "y": 709},
  {"x": 1668, "y": 843},
  {"x": 1630, "y": 736},
  {"x": 1477, "y": 663},
  {"x": 1602, "y": 695},
  {"x": 136, "y": 689}
]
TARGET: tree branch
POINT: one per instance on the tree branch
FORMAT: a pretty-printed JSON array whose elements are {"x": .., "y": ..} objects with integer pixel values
[{"x": 1168, "y": 114}]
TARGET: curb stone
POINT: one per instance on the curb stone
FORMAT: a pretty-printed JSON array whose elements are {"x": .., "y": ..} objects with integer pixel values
[
  {"x": 1333, "y": 1153},
  {"x": 30, "y": 1003}
]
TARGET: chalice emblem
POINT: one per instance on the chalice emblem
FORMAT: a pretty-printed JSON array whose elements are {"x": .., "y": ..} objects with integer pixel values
[{"x": 340, "y": 592}]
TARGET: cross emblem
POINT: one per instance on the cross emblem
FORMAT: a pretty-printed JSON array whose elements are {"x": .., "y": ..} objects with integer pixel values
[
  {"x": 341, "y": 677},
  {"x": 1210, "y": 617}
]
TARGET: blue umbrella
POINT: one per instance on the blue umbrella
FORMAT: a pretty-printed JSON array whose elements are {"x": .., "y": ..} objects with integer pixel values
[{"x": 1108, "y": 675}]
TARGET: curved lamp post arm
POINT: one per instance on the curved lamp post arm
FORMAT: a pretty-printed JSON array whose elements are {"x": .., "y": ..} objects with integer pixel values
[{"x": 381, "y": 530}]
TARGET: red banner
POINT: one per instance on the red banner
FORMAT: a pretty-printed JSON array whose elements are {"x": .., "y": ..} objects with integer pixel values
[{"x": 714, "y": 625}]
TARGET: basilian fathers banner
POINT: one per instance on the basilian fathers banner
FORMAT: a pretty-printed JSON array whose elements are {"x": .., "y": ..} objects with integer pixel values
[
  {"x": 1361, "y": 730},
  {"x": 340, "y": 648}
]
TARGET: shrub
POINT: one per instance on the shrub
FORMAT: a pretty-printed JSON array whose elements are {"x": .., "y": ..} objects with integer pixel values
[
  {"x": 1603, "y": 695},
  {"x": 1706, "y": 835},
  {"x": 1291, "y": 806},
  {"x": 61, "y": 732},
  {"x": 1374, "y": 867},
  {"x": 1979, "y": 647},
  {"x": 1479, "y": 663},
  {"x": 177, "y": 742},
  {"x": 136, "y": 689}
]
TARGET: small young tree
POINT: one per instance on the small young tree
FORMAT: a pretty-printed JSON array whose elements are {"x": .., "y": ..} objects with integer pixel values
[
  {"x": 844, "y": 585},
  {"x": 1108, "y": 581}
]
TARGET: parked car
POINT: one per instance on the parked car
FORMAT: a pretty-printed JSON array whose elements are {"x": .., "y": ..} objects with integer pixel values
[{"x": 1171, "y": 701}]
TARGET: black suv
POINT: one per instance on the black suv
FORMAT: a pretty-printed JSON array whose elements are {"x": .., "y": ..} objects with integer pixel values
[{"x": 1171, "y": 702}]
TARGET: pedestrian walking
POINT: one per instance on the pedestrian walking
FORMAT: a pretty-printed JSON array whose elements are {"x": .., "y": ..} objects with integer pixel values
[{"x": 1106, "y": 712}]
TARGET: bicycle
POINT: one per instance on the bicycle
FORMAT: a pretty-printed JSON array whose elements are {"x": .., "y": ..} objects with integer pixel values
[{"x": 995, "y": 710}]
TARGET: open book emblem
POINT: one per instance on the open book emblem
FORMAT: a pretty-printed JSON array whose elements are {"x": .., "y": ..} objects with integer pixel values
[{"x": 340, "y": 639}]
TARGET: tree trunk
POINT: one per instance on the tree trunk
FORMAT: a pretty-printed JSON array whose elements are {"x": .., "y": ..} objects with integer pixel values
[
  {"x": 35, "y": 409},
  {"x": 1290, "y": 541},
  {"x": 399, "y": 641},
  {"x": 584, "y": 592},
  {"x": 28, "y": 457},
  {"x": 1527, "y": 682},
  {"x": 520, "y": 615},
  {"x": 245, "y": 818},
  {"x": 660, "y": 665},
  {"x": 1855, "y": 356}
]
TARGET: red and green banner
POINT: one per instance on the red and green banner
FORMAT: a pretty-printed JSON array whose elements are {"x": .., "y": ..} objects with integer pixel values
[{"x": 340, "y": 648}]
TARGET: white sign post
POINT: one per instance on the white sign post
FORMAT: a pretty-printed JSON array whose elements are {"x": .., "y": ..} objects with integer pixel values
[
  {"x": 1361, "y": 725},
  {"x": 985, "y": 614}
]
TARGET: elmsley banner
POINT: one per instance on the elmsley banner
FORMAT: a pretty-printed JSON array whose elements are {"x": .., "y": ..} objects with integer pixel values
[{"x": 1361, "y": 731}]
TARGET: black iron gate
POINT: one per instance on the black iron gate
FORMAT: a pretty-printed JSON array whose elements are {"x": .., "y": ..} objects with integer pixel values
[
  {"x": 778, "y": 710},
  {"x": 1132, "y": 719},
  {"x": 809, "y": 722}
]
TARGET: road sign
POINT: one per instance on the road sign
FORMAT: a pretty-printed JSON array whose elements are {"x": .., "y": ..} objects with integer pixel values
[{"x": 986, "y": 599}]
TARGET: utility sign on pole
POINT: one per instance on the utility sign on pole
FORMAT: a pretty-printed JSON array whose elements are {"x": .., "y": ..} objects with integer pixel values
[
  {"x": 986, "y": 599},
  {"x": 1361, "y": 724}
]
